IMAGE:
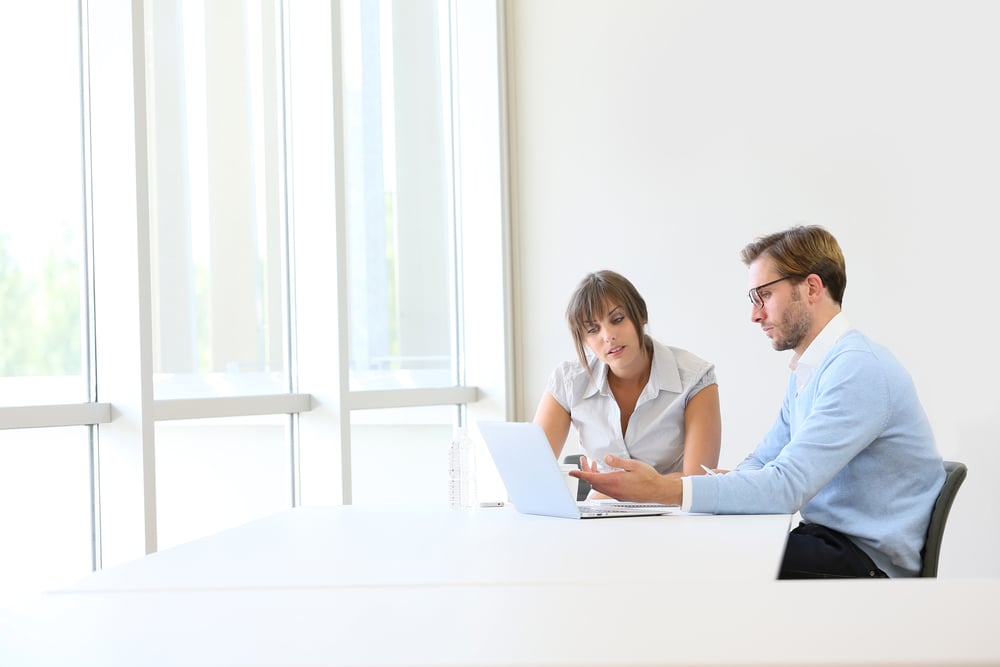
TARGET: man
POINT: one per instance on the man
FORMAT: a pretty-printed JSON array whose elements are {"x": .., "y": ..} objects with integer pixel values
[{"x": 851, "y": 449}]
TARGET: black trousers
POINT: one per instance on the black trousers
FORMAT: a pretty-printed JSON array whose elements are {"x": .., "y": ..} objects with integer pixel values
[{"x": 817, "y": 552}]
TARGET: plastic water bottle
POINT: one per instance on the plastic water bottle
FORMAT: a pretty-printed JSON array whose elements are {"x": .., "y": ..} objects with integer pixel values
[{"x": 461, "y": 471}]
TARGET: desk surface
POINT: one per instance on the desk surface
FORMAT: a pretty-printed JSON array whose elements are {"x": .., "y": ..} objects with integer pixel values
[
  {"x": 374, "y": 586},
  {"x": 365, "y": 546},
  {"x": 361, "y": 586},
  {"x": 885, "y": 622}
]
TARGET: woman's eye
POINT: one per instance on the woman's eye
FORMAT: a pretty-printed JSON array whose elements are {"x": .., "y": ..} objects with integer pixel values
[
  {"x": 592, "y": 331},
  {"x": 618, "y": 320}
]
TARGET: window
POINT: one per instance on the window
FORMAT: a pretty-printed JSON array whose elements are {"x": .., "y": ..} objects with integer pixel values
[
  {"x": 45, "y": 508},
  {"x": 400, "y": 222},
  {"x": 45, "y": 472},
  {"x": 212, "y": 474},
  {"x": 238, "y": 279},
  {"x": 216, "y": 217},
  {"x": 43, "y": 287}
]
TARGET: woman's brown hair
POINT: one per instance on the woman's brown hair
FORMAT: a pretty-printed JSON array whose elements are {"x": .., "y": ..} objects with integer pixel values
[{"x": 596, "y": 292}]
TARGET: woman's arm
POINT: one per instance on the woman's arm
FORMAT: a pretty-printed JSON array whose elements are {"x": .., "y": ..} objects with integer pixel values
[
  {"x": 702, "y": 431},
  {"x": 554, "y": 420}
]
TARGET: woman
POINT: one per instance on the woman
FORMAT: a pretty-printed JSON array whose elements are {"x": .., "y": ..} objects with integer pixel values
[{"x": 628, "y": 394}]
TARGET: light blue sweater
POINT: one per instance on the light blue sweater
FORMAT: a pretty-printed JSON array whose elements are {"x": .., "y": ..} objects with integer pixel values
[{"x": 852, "y": 451}]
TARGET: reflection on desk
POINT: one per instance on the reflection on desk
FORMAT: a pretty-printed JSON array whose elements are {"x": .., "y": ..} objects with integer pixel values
[
  {"x": 362, "y": 546},
  {"x": 850, "y": 622},
  {"x": 376, "y": 586}
]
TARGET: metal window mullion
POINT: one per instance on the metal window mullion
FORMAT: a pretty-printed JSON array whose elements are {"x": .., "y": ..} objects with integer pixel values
[
  {"x": 121, "y": 265},
  {"x": 88, "y": 294},
  {"x": 47, "y": 416},
  {"x": 145, "y": 271},
  {"x": 340, "y": 190},
  {"x": 455, "y": 199},
  {"x": 230, "y": 406},
  {"x": 289, "y": 325}
]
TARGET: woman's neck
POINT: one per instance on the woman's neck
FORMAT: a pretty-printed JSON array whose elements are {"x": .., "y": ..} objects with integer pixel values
[{"x": 633, "y": 378}]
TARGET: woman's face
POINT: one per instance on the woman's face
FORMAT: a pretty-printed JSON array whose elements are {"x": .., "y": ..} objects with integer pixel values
[{"x": 614, "y": 338}]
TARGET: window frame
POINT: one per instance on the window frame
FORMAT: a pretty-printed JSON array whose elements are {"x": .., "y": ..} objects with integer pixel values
[{"x": 119, "y": 315}]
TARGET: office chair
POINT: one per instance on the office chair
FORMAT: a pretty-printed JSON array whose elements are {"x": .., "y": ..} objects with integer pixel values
[
  {"x": 583, "y": 489},
  {"x": 954, "y": 476}
]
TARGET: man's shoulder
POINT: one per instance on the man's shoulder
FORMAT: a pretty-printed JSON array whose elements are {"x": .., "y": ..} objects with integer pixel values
[
  {"x": 854, "y": 339},
  {"x": 857, "y": 350}
]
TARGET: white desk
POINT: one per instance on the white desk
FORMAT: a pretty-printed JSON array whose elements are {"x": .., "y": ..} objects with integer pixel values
[
  {"x": 904, "y": 622},
  {"x": 357, "y": 586},
  {"x": 363, "y": 546}
]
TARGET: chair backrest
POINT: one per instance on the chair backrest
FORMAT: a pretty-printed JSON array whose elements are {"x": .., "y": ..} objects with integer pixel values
[
  {"x": 583, "y": 488},
  {"x": 954, "y": 476}
]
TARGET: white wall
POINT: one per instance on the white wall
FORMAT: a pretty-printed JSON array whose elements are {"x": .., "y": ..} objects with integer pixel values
[{"x": 657, "y": 138}]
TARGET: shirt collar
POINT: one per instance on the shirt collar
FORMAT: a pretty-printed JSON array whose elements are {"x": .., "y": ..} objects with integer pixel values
[
  {"x": 805, "y": 366},
  {"x": 663, "y": 373},
  {"x": 599, "y": 373}
]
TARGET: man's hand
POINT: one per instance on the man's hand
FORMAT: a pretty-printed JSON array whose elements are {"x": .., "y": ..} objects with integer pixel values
[{"x": 633, "y": 481}]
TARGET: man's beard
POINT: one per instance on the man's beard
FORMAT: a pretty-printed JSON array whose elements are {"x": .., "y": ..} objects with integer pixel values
[{"x": 795, "y": 324}]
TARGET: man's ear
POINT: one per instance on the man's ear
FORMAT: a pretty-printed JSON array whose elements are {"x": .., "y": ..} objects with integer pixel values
[{"x": 815, "y": 287}]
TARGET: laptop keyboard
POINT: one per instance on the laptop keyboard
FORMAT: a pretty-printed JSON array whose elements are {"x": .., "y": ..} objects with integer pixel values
[{"x": 619, "y": 506}]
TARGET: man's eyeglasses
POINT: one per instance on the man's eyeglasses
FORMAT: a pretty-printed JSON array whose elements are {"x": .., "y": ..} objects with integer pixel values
[{"x": 754, "y": 293}]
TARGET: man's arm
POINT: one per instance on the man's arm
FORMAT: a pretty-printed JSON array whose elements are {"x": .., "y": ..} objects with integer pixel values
[
  {"x": 633, "y": 481},
  {"x": 846, "y": 411}
]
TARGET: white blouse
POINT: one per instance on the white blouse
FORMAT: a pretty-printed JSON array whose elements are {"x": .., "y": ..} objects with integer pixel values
[{"x": 655, "y": 432}]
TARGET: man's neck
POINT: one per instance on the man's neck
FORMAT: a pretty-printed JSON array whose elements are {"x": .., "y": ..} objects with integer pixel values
[{"x": 820, "y": 320}]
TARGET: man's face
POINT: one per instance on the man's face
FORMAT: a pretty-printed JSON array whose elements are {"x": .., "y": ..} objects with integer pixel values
[{"x": 782, "y": 313}]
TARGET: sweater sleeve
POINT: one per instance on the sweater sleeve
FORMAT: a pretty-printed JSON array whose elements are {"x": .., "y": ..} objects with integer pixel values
[{"x": 840, "y": 413}]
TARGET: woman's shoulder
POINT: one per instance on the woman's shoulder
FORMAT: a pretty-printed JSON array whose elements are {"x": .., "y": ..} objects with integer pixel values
[
  {"x": 692, "y": 369},
  {"x": 570, "y": 380},
  {"x": 682, "y": 357},
  {"x": 570, "y": 371}
]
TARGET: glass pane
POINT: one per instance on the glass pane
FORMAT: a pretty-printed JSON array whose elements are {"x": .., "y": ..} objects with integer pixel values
[
  {"x": 41, "y": 190},
  {"x": 214, "y": 474},
  {"x": 45, "y": 509},
  {"x": 215, "y": 195},
  {"x": 399, "y": 220},
  {"x": 401, "y": 456}
]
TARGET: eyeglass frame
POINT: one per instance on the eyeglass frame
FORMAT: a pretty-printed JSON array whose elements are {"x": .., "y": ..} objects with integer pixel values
[{"x": 759, "y": 303}]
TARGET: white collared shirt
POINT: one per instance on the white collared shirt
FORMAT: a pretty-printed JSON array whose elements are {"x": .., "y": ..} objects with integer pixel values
[
  {"x": 805, "y": 366},
  {"x": 655, "y": 431}
]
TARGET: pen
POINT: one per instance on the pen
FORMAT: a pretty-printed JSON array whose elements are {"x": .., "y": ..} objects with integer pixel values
[{"x": 708, "y": 470}]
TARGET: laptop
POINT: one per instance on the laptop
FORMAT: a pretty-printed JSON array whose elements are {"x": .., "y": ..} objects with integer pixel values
[{"x": 535, "y": 483}]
